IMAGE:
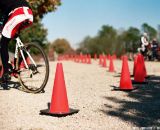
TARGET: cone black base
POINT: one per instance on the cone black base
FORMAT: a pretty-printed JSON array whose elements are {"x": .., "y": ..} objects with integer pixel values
[
  {"x": 117, "y": 76},
  {"x": 149, "y": 76},
  {"x": 58, "y": 114},
  {"x": 127, "y": 90},
  {"x": 111, "y": 71},
  {"x": 135, "y": 82},
  {"x": 47, "y": 112}
]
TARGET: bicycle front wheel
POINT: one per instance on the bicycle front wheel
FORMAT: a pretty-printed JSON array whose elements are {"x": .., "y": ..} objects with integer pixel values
[{"x": 34, "y": 78}]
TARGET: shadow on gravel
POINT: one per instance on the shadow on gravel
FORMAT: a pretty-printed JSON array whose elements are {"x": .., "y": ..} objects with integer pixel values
[
  {"x": 11, "y": 84},
  {"x": 142, "y": 108}
]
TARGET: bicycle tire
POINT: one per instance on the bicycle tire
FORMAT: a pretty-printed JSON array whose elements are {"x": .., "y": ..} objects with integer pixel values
[{"x": 28, "y": 88}]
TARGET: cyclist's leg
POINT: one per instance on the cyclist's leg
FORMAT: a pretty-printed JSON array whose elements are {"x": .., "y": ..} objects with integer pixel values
[{"x": 5, "y": 57}]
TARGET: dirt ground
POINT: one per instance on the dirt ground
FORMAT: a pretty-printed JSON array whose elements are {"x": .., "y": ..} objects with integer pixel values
[{"x": 89, "y": 89}]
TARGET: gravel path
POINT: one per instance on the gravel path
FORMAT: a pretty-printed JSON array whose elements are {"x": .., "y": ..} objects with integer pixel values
[{"x": 89, "y": 90}]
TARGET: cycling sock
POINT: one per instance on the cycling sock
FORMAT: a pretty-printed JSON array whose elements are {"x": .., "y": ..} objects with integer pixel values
[{"x": 4, "y": 53}]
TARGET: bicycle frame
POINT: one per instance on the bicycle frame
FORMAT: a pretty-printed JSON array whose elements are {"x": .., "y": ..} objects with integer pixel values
[{"x": 20, "y": 46}]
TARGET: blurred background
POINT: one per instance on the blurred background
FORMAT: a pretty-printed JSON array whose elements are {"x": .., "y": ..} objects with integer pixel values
[{"x": 92, "y": 27}]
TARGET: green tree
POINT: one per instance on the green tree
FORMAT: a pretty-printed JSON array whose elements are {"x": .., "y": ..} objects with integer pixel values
[
  {"x": 42, "y": 7},
  {"x": 149, "y": 30},
  {"x": 61, "y": 46},
  {"x": 120, "y": 47},
  {"x": 35, "y": 33},
  {"x": 131, "y": 38},
  {"x": 110, "y": 41},
  {"x": 104, "y": 42},
  {"x": 107, "y": 37}
]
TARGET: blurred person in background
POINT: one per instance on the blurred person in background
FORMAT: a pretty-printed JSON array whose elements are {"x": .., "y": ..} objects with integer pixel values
[
  {"x": 154, "y": 46},
  {"x": 143, "y": 44}
]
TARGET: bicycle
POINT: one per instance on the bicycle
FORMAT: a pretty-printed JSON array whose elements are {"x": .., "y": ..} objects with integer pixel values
[{"x": 30, "y": 66}]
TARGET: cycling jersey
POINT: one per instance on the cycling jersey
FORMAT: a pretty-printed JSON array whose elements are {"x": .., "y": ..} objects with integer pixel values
[
  {"x": 16, "y": 18},
  {"x": 15, "y": 13},
  {"x": 6, "y": 6}
]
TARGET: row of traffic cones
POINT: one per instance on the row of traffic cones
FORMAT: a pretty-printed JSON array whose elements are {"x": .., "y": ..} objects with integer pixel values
[
  {"x": 87, "y": 59},
  {"x": 77, "y": 58},
  {"x": 139, "y": 73},
  {"x": 82, "y": 57},
  {"x": 103, "y": 62},
  {"x": 59, "y": 101}
]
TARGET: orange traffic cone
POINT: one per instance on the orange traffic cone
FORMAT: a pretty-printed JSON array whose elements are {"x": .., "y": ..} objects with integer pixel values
[
  {"x": 134, "y": 67},
  {"x": 145, "y": 71},
  {"x": 139, "y": 76},
  {"x": 89, "y": 59},
  {"x": 125, "y": 81},
  {"x": 95, "y": 56},
  {"x": 100, "y": 60},
  {"x": 59, "y": 102},
  {"x": 104, "y": 62},
  {"x": 111, "y": 65}
]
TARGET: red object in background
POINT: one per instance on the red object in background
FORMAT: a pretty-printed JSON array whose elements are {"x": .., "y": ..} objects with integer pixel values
[
  {"x": 104, "y": 62},
  {"x": 111, "y": 65},
  {"x": 95, "y": 56},
  {"x": 135, "y": 63},
  {"x": 140, "y": 73},
  {"x": 125, "y": 81}
]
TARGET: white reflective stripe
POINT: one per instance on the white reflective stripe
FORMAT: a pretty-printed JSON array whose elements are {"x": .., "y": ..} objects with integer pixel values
[
  {"x": 16, "y": 9},
  {"x": 29, "y": 16},
  {"x": 25, "y": 11}
]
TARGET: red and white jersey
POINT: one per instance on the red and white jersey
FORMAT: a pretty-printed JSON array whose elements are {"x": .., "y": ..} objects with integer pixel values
[{"x": 16, "y": 18}]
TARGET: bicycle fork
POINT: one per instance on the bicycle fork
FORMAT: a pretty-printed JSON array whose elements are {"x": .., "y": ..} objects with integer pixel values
[{"x": 20, "y": 46}]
